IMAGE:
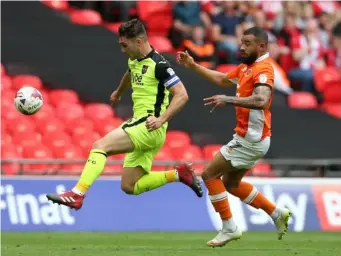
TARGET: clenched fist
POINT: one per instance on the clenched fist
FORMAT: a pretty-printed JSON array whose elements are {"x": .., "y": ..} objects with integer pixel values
[{"x": 114, "y": 98}]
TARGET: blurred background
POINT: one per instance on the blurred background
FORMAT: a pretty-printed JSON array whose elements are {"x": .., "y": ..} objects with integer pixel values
[{"x": 69, "y": 51}]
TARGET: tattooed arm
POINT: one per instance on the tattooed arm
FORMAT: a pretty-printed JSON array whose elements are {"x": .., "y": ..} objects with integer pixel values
[{"x": 258, "y": 100}]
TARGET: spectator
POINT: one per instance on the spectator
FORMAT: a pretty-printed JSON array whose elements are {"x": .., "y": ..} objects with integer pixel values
[
  {"x": 202, "y": 51},
  {"x": 286, "y": 36},
  {"x": 308, "y": 52},
  {"x": 224, "y": 31},
  {"x": 186, "y": 15},
  {"x": 333, "y": 55}
]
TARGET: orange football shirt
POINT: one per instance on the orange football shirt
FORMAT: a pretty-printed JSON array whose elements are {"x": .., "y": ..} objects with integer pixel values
[{"x": 253, "y": 124}]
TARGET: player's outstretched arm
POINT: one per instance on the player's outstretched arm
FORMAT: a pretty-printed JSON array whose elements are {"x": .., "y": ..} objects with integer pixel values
[
  {"x": 180, "y": 97},
  {"x": 213, "y": 76},
  {"x": 124, "y": 84},
  {"x": 258, "y": 100}
]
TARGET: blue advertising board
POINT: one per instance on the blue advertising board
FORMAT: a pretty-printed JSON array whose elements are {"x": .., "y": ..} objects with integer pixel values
[{"x": 174, "y": 207}]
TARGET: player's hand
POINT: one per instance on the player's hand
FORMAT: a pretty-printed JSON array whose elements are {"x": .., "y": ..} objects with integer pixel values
[
  {"x": 153, "y": 123},
  {"x": 185, "y": 59},
  {"x": 216, "y": 101},
  {"x": 114, "y": 98}
]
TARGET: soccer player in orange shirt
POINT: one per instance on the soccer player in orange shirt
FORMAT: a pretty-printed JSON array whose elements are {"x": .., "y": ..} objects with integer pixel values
[{"x": 254, "y": 79}]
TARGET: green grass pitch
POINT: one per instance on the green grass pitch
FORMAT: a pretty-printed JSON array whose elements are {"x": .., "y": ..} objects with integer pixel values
[{"x": 167, "y": 244}]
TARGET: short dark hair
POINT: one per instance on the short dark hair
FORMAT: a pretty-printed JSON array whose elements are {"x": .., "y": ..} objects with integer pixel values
[
  {"x": 132, "y": 29},
  {"x": 259, "y": 33}
]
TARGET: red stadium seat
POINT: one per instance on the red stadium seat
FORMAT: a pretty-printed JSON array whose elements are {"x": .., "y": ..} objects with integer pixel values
[
  {"x": 302, "y": 100},
  {"x": 9, "y": 152},
  {"x": 23, "y": 124},
  {"x": 332, "y": 92},
  {"x": 45, "y": 114},
  {"x": 80, "y": 126},
  {"x": 325, "y": 76},
  {"x": 6, "y": 83},
  {"x": 57, "y": 5},
  {"x": 48, "y": 126},
  {"x": 70, "y": 152},
  {"x": 20, "y": 81},
  {"x": 85, "y": 141},
  {"x": 262, "y": 169},
  {"x": 38, "y": 152},
  {"x": 98, "y": 111},
  {"x": 209, "y": 151},
  {"x": 8, "y": 94},
  {"x": 190, "y": 153},
  {"x": 226, "y": 68},
  {"x": 59, "y": 96},
  {"x": 6, "y": 138},
  {"x": 22, "y": 138},
  {"x": 165, "y": 154},
  {"x": 177, "y": 140},
  {"x": 161, "y": 44},
  {"x": 11, "y": 115},
  {"x": 7, "y": 102},
  {"x": 113, "y": 26},
  {"x": 157, "y": 16},
  {"x": 86, "y": 17},
  {"x": 70, "y": 112},
  {"x": 106, "y": 126},
  {"x": 333, "y": 109},
  {"x": 3, "y": 70},
  {"x": 56, "y": 141}
]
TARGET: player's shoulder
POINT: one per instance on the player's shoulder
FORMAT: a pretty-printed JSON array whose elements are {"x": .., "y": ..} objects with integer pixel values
[
  {"x": 159, "y": 59},
  {"x": 264, "y": 65}
]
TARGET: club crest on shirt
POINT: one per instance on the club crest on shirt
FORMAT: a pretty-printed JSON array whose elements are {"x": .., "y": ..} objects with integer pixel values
[
  {"x": 248, "y": 72},
  {"x": 144, "y": 69}
]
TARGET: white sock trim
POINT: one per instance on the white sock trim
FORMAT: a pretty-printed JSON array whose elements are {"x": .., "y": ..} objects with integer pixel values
[
  {"x": 249, "y": 199},
  {"x": 176, "y": 175},
  {"x": 77, "y": 191},
  {"x": 218, "y": 197}
]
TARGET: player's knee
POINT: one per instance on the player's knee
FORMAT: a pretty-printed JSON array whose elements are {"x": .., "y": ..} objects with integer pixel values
[
  {"x": 208, "y": 174},
  {"x": 231, "y": 184},
  {"x": 100, "y": 144},
  {"x": 127, "y": 188}
]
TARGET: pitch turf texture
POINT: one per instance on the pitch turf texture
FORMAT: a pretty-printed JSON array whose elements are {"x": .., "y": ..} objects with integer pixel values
[{"x": 168, "y": 243}]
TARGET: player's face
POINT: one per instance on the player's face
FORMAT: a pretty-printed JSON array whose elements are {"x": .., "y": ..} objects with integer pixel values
[
  {"x": 129, "y": 47},
  {"x": 250, "y": 49}
]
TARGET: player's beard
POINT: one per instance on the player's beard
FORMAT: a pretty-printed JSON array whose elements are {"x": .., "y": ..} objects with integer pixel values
[{"x": 249, "y": 59}]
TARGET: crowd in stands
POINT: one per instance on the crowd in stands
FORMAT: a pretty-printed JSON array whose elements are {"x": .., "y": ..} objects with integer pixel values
[{"x": 303, "y": 36}]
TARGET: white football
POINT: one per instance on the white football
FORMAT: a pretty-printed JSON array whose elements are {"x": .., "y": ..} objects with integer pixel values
[{"x": 28, "y": 100}]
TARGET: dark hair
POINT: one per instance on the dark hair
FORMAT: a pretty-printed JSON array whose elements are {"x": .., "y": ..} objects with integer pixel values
[
  {"x": 259, "y": 33},
  {"x": 132, "y": 28}
]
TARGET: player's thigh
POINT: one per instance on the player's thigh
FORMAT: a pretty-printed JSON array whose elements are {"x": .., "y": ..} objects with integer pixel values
[
  {"x": 217, "y": 167},
  {"x": 130, "y": 176},
  {"x": 142, "y": 159},
  {"x": 115, "y": 142},
  {"x": 142, "y": 139}
]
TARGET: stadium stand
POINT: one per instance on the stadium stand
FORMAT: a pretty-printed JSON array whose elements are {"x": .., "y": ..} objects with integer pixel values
[{"x": 66, "y": 120}]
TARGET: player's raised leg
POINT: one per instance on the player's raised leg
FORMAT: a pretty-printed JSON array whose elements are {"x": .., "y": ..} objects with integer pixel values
[
  {"x": 218, "y": 196},
  {"x": 137, "y": 176},
  {"x": 136, "y": 180},
  {"x": 115, "y": 142},
  {"x": 250, "y": 195}
]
